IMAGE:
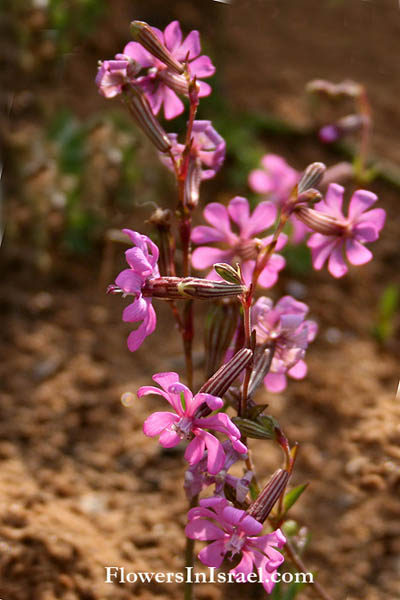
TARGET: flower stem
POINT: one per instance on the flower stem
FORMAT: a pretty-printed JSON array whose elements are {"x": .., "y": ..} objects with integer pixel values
[
  {"x": 189, "y": 555},
  {"x": 301, "y": 567}
]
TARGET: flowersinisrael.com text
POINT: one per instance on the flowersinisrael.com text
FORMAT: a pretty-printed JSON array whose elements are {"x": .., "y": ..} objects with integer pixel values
[{"x": 121, "y": 575}]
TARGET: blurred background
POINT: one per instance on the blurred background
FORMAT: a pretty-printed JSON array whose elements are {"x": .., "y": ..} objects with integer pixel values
[{"x": 81, "y": 486}]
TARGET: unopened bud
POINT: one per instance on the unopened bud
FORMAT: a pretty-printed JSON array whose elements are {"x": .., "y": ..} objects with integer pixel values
[
  {"x": 144, "y": 34},
  {"x": 175, "y": 81},
  {"x": 319, "y": 222},
  {"x": 227, "y": 272},
  {"x": 161, "y": 220},
  {"x": 346, "y": 88},
  {"x": 140, "y": 109},
  {"x": 308, "y": 197},
  {"x": 311, "y": 176},
  {"x": 192, "y": 183},
  {"x": 264, "y": 503},
  {"x": 220, "y": 326},
  {"x": 262, "y": 363},
  {"x": 345, "y": 126},
  {"x": 220, "y": 382},
  {"x": 193, "y": 287}
]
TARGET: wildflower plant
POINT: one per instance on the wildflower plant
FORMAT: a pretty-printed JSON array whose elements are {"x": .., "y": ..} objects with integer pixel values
[{"x": 250, "y": 339}]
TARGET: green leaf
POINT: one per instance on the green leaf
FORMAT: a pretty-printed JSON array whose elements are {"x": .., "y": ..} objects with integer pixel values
[{"x": 291, "y": 497}]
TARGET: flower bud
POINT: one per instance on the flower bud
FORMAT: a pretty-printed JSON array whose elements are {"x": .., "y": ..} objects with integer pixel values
[
  {"x": 318, "y": 221},
  {"x": 310, "y": 196},
  {"x": 193, "y": 287},
  {"x": 161, "y": 220},
  {"x": 311, "y": 176},
  {"x": 262, "y": 506},
  {"x": 140, "y": 109},
  {"x": 227, "y": 272},
  {"x": 345, "y": 126},
  {"x": 178, "y": 288},
  {"x": 192, "y": 183},
  {"x": 262, "y": 363},
  {"x": 144, "y": 34},
  {"x": 220, "y": 326},
  {"x": 220, "y": 382},
  {"x": 175, "y": 81}
]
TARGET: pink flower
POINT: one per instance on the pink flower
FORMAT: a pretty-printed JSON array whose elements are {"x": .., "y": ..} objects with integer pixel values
[
  {"x": 243, "y": 246},
  {"x": 360, "y": 226},
  {"x": 142, "y": 260},
  {"x": 208, "y": 147},
  {"x": 284, "y": 328},
  {"x": 114, "y": 74},
  {"x": 197, "y": 477},
  {"x": 184, "y": 424},
  {"x": 276, "y": 180},
  {"x": 159, "y": 81},
  {"x": 234, "y": 532}
]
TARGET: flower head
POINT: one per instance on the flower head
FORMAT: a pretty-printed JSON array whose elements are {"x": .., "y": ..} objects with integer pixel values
[
  {"x": 161, "y": 83},
  {"x": 197, "y": 477},
  {"x": 142, "y": 260},
  {"x": 207, "y": 146},
  {"x": 350, "y": 233},
  {"x": 234, "y": 532},
  {"x": 114, "y": 74},
  {"x": 184, "y": 424},
  {"x": 284, "y": 328},
  {"x": 243, "y": 246},
  {"x": 276, "y": 180}
]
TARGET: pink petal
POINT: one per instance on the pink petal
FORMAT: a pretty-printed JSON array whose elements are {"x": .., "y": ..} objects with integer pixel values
[
  {"x": 173, "y": 36},
  {"x": 238, "y": 209},
  {"x": 333, "y": 201},
  {"x": 275, "y": 382},
  {"x": 138, "y": 261},
  {"x": 204, "y": 89},
  {"x": 201, "y": 529},
  {"x": 299, "y": 370},
  {"x": 357, "y": 253},
  {"x": 375, "y": 218},
  {"x": 202, "y": 67},
  {"x": 238, "y": 518},
  {"x": 137, "y": 337},
  {"x": 157, "y": 422},
  {"x": 129, "y": 282},
  {"x": 213, "y": 554},
  {"x": 195, "y": 450},
  {"x": 178, "y": 389},
  {"x": 260, "y": 182},
  {"x": 269, "y": 275},
  {"x": 205, "y": 257},
  {"x": 203, "y": 234},
  {"x": 263, "y": 217},
  {"x": 215, "y": 453},
  {"x": 217, "y": 215},
  {"x": 169, "y": 439},
  {"x": 336, "y": 266},
  {"x": 360, "y": 201},
  {"x": 245, "y": 566},
  {"x": 136, "y": 311},
  {"x": 191, "y": 44},
  {"x": 219, "y": 422},
  {"x": 320, "y": 253},
  {"x": 165, "y": 380},
  {"x": 138, "y": 53},
  {"x": 173, "y": 106}
]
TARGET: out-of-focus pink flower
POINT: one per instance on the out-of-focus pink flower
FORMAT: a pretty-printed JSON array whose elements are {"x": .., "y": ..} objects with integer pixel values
[
  {"x": 197, "y": 477},
  {"x": 114, "y": 74},
  {"x": 285, "y": 328},
  {"x": 184, "y": 424},
  {"x": 234, "y": 532},
  {"x": 207, "y": 146},
  {"x": 275, "y": 180},
  {"x": 352, "y": 232},
  {"x": 142, "y": 260},
  {"x": 158, "y": 81},
  {"x": 243, "y": 246}
]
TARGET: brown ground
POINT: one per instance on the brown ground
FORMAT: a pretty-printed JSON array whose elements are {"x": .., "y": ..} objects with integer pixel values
[{"x": 81, "y": 486}]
